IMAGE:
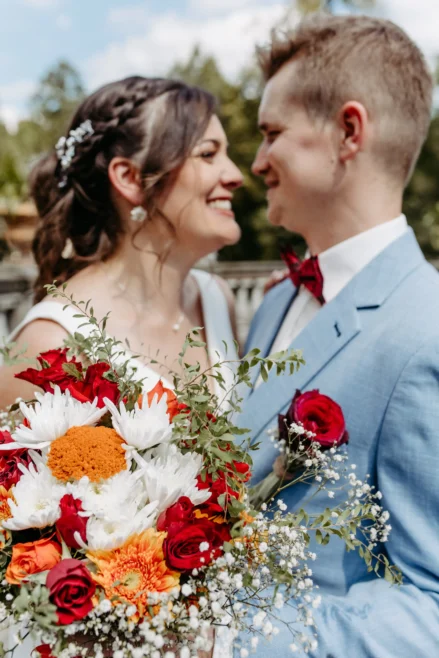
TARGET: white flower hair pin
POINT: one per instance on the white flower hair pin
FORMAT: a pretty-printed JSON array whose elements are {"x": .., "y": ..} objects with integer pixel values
[{"x": 65, "y": 146}]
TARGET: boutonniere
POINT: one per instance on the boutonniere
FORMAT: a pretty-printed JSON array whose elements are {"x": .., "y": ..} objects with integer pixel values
[{"x": 313, "y": 424}]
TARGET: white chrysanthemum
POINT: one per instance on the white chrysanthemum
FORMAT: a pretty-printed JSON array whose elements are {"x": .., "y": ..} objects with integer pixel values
[
  {"x": 51, "y": 416},
  {"x": 170, "y": 475},
  {"x": 105, "y": 534},
  {"x": 110, "y": 499},
  {"x": 145, "y": 427},
  {"x": 36, "y": 500}
]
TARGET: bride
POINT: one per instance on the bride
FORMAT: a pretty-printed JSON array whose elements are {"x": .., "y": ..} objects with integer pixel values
[
  {"x": 136, "y": 193},
  {"x": 132, "y": 197}
]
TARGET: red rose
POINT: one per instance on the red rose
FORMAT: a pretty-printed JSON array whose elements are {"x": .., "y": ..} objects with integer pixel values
[
  {"x": 318, "y": 414},
  {"x": 9, "y": 461},
  {"x": 71, "y": 589},
  {"x": 51, "y": 371},
  {"x": 178, "y": 512},
  {"x": 70, "y": 520},
  {"x": 94, "y": 385},
  {"x": 182, "y": 545}
]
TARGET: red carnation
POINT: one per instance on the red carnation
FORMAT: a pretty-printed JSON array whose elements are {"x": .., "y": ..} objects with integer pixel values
[
  {"x": 51, "y": 372},
  {"x": 10, "y": 460},
  {"x": 95, "y": 385},
  {"x": 70, "y": 521},
  {"x": 71, "y": 589}
]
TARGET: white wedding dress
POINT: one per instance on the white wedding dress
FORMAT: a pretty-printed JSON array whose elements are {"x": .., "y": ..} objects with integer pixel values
[{"x": 218, "y": 330}]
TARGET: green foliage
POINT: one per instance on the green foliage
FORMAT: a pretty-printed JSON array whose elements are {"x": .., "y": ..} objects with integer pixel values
[
  {"x": 421, "y": 199},
  {"x": 55, "y": 101}
]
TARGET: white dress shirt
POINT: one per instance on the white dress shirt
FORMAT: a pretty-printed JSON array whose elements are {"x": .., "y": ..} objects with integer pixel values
[{"x": 339, "y": 265}]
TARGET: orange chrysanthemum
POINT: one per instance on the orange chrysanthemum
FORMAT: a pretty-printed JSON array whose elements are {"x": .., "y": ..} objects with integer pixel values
[
  {"x": 135, "y": 569},
  {"x": 96, "y": 452},
  {"x": 5, "y": 513},
  {"x": 5, "y": 510}
]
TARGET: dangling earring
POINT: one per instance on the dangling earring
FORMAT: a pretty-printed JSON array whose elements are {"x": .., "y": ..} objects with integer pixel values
[
  {"x": 138, "y": 214},
  {"x": 68, "y": 251}
]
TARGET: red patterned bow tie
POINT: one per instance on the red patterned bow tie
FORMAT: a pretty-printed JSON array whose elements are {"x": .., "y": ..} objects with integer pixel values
[{"x": 306, "y": 273}]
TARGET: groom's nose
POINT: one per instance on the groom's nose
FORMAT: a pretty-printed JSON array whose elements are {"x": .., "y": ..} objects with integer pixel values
[{"x": 260, "y": 163}]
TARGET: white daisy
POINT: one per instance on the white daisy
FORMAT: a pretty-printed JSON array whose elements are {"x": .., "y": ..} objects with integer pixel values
[
  {"x": 170, "y": 474},
  {"x": 142, "y": 428},
  {"x": 36, "y": 499},
  {"x": 106, "y": 534},
  {"x": 110, "y": 499},
  {"x": 51, "y": 417}
]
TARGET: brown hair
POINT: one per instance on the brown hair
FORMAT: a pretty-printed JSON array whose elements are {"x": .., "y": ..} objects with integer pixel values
[
  {"x": 155, "y": 122},
  {"x": 344, "y": 58}
]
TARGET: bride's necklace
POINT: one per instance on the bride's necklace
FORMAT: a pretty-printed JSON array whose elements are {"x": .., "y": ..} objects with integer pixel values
[{"x": 139, "y": 307}]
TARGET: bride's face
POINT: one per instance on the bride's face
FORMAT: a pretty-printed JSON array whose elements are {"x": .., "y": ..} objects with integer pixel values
[{"x": 199, "y": 203}]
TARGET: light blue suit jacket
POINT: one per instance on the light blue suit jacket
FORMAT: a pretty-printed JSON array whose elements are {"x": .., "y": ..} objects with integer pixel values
[{"x": 375, "y": 350}]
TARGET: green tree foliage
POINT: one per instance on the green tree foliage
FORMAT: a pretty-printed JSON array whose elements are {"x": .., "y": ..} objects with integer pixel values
[
  {"x": 421, "y": 199},
  {"x": 56, "y": 99}
]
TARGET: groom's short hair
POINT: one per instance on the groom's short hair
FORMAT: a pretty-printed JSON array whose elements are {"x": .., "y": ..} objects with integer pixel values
[{"x": 369, "y": 60}]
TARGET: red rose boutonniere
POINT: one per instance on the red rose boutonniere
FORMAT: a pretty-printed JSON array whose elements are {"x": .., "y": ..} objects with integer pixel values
[{"x": 313, "y": 422}]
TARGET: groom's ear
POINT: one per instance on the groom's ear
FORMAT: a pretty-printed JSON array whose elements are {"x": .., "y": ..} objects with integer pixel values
[
  {"x": 354, "y": 124},
  {"x": 126, "y": 181}
]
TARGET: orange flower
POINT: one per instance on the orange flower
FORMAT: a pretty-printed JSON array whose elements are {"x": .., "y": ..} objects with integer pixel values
[
  {"x": 96, "y": 452},
  {"x": 5, "y": 510},
  {"x": 215, "y": 517},
  {"x": 159, "y": 390},
  {"x": 32, "y": 557},
  {"x": 138, "y": 567},
  {"x": 5, "y": 513}
]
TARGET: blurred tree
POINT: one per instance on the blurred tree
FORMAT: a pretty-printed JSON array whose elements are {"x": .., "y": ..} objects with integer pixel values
[
  {"x": 310, "y": 6},
  {"x": 54, "y": 102},
  {"x": 12, "y": 176},
  {"x": 421, "y": 199}
]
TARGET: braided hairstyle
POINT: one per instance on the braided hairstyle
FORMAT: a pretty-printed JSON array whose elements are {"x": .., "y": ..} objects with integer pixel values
[{"x": 153, "y": 121}]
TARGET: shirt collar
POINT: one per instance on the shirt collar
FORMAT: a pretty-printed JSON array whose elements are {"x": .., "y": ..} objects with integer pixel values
[{"x": 343, "y": 261}]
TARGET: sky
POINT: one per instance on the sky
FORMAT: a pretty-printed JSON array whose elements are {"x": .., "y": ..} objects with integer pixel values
[{"x": 109, "y": 39}]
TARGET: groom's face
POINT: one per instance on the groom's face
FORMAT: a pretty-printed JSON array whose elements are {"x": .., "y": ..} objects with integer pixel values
[{"x": 297, "y": 157}]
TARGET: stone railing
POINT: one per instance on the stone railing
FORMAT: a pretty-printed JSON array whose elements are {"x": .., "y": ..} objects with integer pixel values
[{"x": 246, "y": 279}]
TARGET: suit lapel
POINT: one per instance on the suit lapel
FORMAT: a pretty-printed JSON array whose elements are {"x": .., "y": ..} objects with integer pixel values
[
  {"x": 272, "y": 319},
  {"x": 335, "y": 325}
]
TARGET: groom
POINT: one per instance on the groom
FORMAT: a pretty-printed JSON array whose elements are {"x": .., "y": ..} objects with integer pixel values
[{"x": 343, "y": 116}]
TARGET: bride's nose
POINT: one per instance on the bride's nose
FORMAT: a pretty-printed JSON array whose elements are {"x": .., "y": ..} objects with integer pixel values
[{"x": 231, "y": 176}]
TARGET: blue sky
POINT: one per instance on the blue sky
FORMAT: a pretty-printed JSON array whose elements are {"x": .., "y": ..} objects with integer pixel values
[{"x": 107, "y": 39}]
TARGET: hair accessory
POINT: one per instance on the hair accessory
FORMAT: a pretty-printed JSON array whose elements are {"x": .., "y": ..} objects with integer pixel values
[
  {"x": 138, "y": 214},
  {"x": 68, "y": 251},
  {"x": 65, "y": 146}
]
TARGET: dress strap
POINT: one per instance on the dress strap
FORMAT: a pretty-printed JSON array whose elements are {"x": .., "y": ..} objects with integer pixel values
[
  {"x": 217, "y": 325},
  {"x": 50, "y": 310}
]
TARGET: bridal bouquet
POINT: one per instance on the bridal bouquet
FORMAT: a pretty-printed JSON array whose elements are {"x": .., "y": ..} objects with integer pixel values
[{"x": 125, "y": 518}]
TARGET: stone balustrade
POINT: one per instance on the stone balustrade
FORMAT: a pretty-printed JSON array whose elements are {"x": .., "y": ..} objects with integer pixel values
[{"x": 246, "y": 279}]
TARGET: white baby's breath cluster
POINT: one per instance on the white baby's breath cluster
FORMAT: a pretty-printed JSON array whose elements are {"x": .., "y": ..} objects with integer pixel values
[{"x": 65, "y": 146}]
